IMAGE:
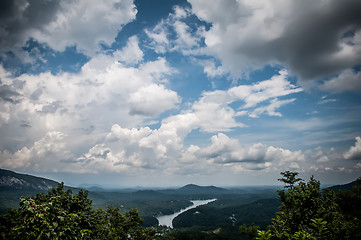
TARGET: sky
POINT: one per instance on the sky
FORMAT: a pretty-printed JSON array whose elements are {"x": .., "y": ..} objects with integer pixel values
[{"x": 170, "y": 92}]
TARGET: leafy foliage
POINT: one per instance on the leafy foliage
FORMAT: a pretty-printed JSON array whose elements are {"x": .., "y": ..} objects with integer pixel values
[
  {"x": 307, "y": 212},
  {"x": 289, "y": 178},
  {"x": 302, "y": 207},
  {"x": 350, "y": 202},
  {"x": 62, "y": 215},
  {"x": 259, "y": 212}
]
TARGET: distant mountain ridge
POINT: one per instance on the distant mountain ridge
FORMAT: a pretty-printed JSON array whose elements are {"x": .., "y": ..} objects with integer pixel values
[
  {"x": 192, "y": 188},
  {"x": 347, "y": 186},
  {"x": 195, "y": 190},
  {"x": 12, "y": 180},
  {"x": 17, "y": 181}
]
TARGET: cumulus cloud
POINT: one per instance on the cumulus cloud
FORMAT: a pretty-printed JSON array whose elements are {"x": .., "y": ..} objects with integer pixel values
[
  {"x": 145, "y": 148},
  {"x": 355, "y": 151},
  {"x": 185, "y": 38},
  {"x": 174, "y": 34},
  {"x": 163, "y": 150},
  {"x": 64, "y": 23},
  {"x": 210, "y": 68},
  {"x": 225, "y": 150},
  {"x": 277, "y": 86},
  {"x": 8, "y": 93},
  {"x": 159, "y": 38},
  {"x": 131, "y": 54},
  {"x": 152, "y": 100},
  {"x": 83, "y": 103},
  {"x": 44, "y": 154},
  {"x": 216, "y": 115},
  {"x": 120, "y": 152},
  {"x": 313, "y": 39},
  {"x": 108, "y": 94},
  {"x": 348, "y": 80},
  {"x": 270, "y": 109},
  {"x": 102, "y": 80}
]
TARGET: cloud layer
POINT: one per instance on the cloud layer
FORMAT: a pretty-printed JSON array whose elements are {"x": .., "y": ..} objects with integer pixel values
[
  {"x": 211, "y": 88},
  {"x": 313, "y": 39},
  {"x": 62, "y": 24}
]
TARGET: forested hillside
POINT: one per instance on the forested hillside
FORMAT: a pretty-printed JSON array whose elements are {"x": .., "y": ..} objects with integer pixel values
[{"x": 302, "y": 210}]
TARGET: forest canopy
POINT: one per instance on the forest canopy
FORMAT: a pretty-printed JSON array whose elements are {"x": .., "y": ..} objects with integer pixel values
[
  {"x": 59, "y": 214},
  {"x": 308, "y": 212}
]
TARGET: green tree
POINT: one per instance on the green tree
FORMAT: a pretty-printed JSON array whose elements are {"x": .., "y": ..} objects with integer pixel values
[
  {"x": 350, "y": 202},
  {"x": 251, "y": 231},
  {"x": 289, "y": 178},
  {"x": 62, "y": 215},
  {"x": 307, "y": 212},
  {"x": 263, "y": 235}
]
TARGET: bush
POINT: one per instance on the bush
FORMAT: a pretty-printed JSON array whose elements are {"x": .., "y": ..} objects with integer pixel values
[{"x": 62, "y": 215}]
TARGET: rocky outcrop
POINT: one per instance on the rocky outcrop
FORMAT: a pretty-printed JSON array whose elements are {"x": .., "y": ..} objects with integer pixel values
[{"x": 12, "y": 180}]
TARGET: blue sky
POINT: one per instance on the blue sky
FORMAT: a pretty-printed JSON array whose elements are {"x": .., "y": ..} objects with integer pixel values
[{"x": 170, "y": 92}]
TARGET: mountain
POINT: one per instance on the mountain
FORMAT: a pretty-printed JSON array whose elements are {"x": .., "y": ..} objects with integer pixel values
[
  {"x": 259, "y": 212},
  {"x": 15, "y": 185},
  {"x": 195, "y": 190},
  {"x": 12, "y": 180},
  {"x": 347, "y": 186}
]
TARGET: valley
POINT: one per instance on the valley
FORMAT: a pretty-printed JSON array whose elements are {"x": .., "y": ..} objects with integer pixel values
[
  {"x": 229, "y": 207},
  {"x": 188, "y": 212}
]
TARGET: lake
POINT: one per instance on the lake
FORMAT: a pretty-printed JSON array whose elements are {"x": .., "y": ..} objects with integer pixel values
[{"x": 168, "y": 219}]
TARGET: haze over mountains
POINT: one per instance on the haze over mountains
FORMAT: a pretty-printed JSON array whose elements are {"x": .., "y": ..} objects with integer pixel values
[{"x": 17, "y": 181}]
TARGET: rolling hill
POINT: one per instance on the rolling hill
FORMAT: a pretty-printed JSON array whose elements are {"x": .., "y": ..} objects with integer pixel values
[
  {"x": 15, "y": 185},
  {"x": 12, "y": 180},
  {"x": 347, "y": 186}
]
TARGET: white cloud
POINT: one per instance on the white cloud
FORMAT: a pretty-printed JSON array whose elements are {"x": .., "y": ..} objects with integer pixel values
[
  {"x": 82, "y": 105},
  {"x": 4, "y": 117},
  {"x": 355, "y": 151},
  {"x": 108, "y": 94},
  {"x": 189, "y": 155},
  {"x": 270, "y": 109},
  {"x": 102, "y": 81},
  {"x": 180, "y": 13},
  {"x": 215, "y": 116},
  {"x": 275, "y": 87},
  {"x": 152, "y": 100},
  {"x": 284, "y": 155},
  {"x": 141, "y": 148},
  {"x": 225, "y": 150},
  {"x": 43, "y": 155},
  {"x": 187, "y": 40},
  {"x": 213, "y": 107},
  {"x": 131, "y": 54},
  {"x": 297, "y": 35},
  {"x": 325, "y": 100},
  {"x": 348, "y": 80},
  {"x": 86, "y": 24},
  {"x": 163, "y": 150},
  {"x": 323, "y": 159},
  {"x": 120, "y": 151},
  {"x": 210, "y": 68},
  {"x": 158, "y": 35},
  {"x": 67, "y": 23}
]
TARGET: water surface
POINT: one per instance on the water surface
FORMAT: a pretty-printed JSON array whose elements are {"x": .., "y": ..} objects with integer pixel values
[{"x": 168, "y": 219}]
